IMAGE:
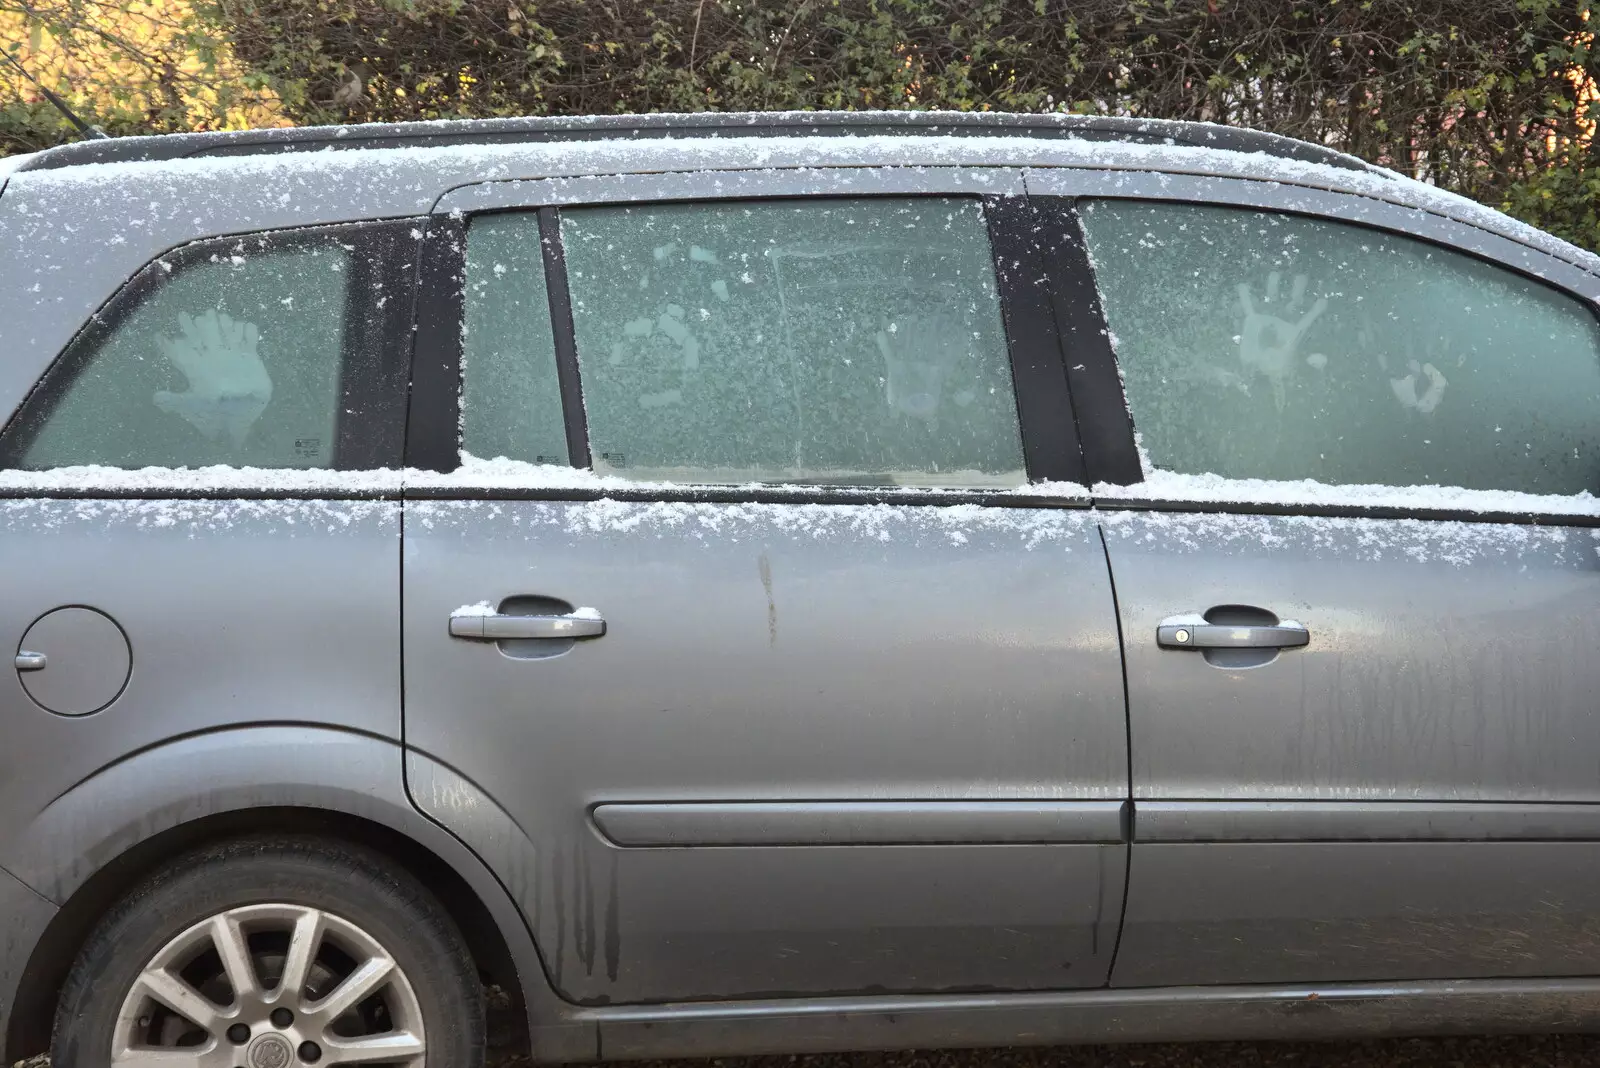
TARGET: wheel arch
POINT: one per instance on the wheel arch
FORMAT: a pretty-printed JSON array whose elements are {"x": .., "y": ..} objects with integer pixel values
[{"x": 93, "y": 842}]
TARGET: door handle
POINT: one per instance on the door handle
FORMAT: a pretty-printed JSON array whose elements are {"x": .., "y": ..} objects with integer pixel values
[
  {"x": 1193, "y": 632},
  {"x": 494, "y": 627}
]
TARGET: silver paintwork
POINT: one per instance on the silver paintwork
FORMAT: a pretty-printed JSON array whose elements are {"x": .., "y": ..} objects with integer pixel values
[
  {"x": 1387, "y": 705},
  {"x": 820, "y": 826},
  {"x": 861, "y": 655}
]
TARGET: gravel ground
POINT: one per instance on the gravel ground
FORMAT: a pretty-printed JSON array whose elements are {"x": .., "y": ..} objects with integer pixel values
[{"x": 1546, "y": 1051}]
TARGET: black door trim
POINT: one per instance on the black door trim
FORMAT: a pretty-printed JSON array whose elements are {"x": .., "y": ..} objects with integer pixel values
[
  {"x": 433, "y": 416},
  {"x": 1105, "y": 427},
  {"x": 1044, "y": 409},
  {"x": 566, "y": 342}
]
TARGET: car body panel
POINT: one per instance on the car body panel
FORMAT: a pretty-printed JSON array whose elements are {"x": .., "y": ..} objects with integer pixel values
[
  {"x": 1447, "y": 670},
  {"x": 888, "y": 661},
  {"x": 24, "y": 918},
  {"x": 1422, "y": 910},
  {"x": 237, "y": 612},
  {"x": 1447, "y": 661}
]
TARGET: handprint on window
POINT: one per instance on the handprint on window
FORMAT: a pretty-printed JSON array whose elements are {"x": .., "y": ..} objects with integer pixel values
[
  {"x": 672, "y": 323},
  {"x": 918, "y": 353},
  {"x": 1269, "y": 342},
  {"x": 1425, "y": 369},
  {"x": 229, "y": 386}
]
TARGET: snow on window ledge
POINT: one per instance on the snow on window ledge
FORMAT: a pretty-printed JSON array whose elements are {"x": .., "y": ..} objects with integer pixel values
[
  {"x": 1214, "y": 489},
  {"x": 473, "y": 473},
  {"x": 503, "y": 474}
]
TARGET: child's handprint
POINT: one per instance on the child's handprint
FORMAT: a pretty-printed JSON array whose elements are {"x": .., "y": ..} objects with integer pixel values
[
  {"x": 229, "y": 386},
  {"x": 1434, "y": 351},
  {"x": 1269, "y": 342},
  {"x": 918, "y": 353}
]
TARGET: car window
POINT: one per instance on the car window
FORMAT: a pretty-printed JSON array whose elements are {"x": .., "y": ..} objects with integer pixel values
[
  {"x": 233, "y": 358},
  {"x": 1262, "y": 345},
  {"x": 510, "y": 394},
  {"x": 829, "y": 341}
]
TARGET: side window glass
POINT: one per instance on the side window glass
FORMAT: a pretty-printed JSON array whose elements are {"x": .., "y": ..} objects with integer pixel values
[
  {"x": 854, "y": 342},
  {"x": 1261, "y": 345},
  {"x": 510, "y": 394},
  {"x": 231, "y": 357}
]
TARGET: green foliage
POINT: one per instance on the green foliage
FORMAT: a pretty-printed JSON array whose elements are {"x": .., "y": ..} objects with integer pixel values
[
  {"x": 133, "y": 66},
  {"x": 1563, "y": 199},
  {"x": 1485, "y": 97}
]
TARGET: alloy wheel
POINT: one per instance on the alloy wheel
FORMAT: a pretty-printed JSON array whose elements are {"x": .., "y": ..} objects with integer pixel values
[{"x": 270, "y": 986}]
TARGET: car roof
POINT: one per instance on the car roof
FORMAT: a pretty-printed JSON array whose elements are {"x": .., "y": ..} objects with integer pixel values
[
  {"x": 133, "y": 198},
  {"x": 701, "y": 125}
]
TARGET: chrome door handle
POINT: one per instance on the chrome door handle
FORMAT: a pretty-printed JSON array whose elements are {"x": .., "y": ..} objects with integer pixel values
[
  {"x": 493, "y": 627},
  {"x": 27, "y": 661},
  {"x": 1183, "y": 632}
]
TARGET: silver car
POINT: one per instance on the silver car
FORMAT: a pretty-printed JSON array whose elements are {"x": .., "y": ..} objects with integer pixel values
[{"x": 786, "y": 583}]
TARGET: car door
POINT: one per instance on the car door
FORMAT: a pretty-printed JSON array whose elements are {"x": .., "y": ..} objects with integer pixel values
[
  {"x": 186, "y": 538},
  {"x": 733, "y": 599},
  {"x": 1357, "y": 574}
]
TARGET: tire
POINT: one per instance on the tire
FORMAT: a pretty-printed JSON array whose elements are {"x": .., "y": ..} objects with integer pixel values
[{"x": 370, "y": 927}]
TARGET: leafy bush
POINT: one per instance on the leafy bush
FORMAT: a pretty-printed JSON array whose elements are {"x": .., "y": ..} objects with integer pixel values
[{"x": 1490, "y": 98}]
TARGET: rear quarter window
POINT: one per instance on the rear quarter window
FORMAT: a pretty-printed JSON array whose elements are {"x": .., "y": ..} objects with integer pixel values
[{"x": 226, "y": 355}]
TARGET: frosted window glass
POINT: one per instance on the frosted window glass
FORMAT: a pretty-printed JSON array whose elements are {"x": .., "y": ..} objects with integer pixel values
[
  {"x": 234, "y": 360},
  {"x": 828, "y": 341},
  {"x": 1263, "y": 345},
  {"x": 510, "y": 395}
]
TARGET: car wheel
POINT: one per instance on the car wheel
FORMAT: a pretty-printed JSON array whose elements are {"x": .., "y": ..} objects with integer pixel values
[{"x": 273, "y": 953}]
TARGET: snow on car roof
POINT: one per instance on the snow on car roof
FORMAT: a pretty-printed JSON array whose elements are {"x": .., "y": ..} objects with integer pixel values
[{"x": 426, "y": 170}]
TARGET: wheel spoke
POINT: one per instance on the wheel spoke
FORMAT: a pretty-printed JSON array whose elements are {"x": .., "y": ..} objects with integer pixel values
[
  {"x": 372, "y": 974},
  {"x": 304, "y": 941},
  {"x": 395, "y": 1046},
  {"x": 158, "y": 1058},
  {"x": 182, "y": 999},
  {"x": 234, "y": 949}
]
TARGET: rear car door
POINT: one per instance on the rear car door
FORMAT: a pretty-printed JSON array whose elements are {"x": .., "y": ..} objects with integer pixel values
[
  {"x": 1358, "y": 577},
  {"x": 734, "y": 598}
]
